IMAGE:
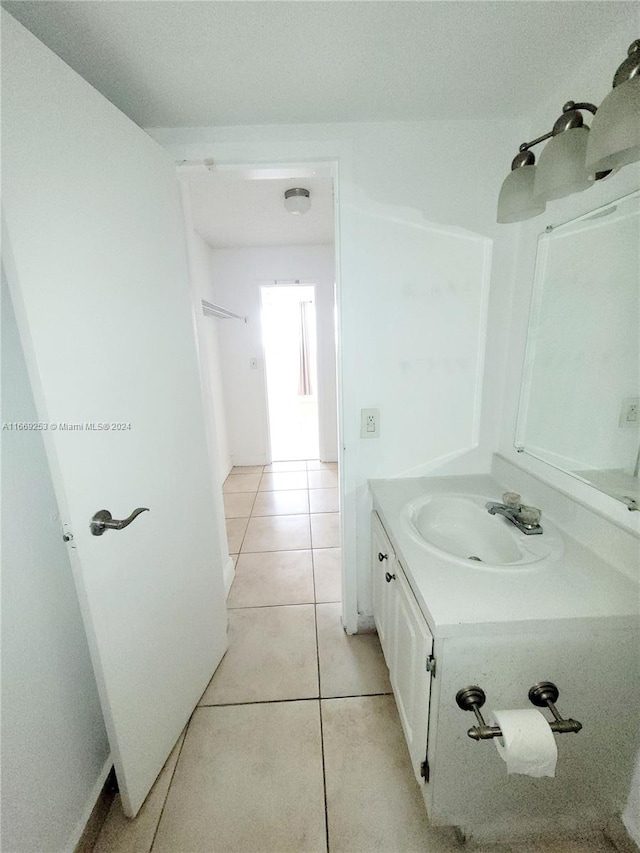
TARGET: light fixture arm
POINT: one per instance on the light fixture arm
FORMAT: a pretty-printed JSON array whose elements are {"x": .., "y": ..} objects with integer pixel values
[
  {"x": 570, "y": 118},
  {"x": 581, "y": 105}
]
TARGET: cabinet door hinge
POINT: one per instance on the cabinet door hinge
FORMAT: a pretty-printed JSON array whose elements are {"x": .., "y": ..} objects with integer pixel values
[
  {"x": 424, "y": 769},
  {"x": 431, "y": 665}
]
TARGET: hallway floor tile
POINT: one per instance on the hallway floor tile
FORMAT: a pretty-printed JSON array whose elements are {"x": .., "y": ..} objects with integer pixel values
[
  {"x": 283, "y": 481},
  {"x": 292, "y": 502},
  {"x": 325, "y": 530},
  {"x": 349, "y": 666},
  {"x": 276, "y": 577},
  {"x": 327, "y": 574},
  {"x": 323, "y": 500},
  {"x": 272, "y": 656},
  {"x": 249, "y": 779},
  {"x": 241, "y": 483},
  {"x": 278, "y": 533},
  {"x": 373, "y": 803}
]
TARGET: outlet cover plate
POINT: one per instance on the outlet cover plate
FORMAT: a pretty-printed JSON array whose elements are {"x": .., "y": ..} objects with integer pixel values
[
  {"x": 630, "y": 413},
  {"x": 369, "y": 423}
]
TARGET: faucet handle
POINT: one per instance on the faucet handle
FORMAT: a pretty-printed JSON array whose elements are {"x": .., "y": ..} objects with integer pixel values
[
  {"x": 530, "y": 515},
  {"x": 511, "y": 499}
]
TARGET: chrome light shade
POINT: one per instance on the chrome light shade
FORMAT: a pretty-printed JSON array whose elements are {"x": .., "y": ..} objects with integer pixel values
[
  {"x": 516, "y": 201},
  {"x": 561, "y": 169},
  {"x": 614, "y": 140}
]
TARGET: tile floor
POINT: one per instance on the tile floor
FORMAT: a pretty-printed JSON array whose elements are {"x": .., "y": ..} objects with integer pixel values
[{"x": 296, "y": 743}]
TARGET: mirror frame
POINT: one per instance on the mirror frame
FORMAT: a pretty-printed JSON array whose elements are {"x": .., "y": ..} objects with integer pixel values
[{"x": 530, "y": 348}]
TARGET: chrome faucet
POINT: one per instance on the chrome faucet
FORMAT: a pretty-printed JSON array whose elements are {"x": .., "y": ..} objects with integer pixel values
[{"x": 525, "y": 518}]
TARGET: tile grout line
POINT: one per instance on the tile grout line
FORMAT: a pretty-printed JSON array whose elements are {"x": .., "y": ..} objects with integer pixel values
[
  {"x": 255, "y": 498},
  {"x": 297, "y": 699},
  {"x": 175, "y": 767},
  {"x": 244, "y": 535},
  {"x": 324, "y": 770},
  {"x": 291, "y": 604},
  {"x": 289, "y": 550},
  {"x": 315, "y": 600},
  {"x": 315, "y": 620}
]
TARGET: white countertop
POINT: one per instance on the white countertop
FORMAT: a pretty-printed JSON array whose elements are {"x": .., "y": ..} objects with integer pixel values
[{"x": 467, "y": 599}]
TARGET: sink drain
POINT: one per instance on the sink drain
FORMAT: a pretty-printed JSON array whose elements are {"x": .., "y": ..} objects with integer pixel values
[{"x": 477, "y": 559}]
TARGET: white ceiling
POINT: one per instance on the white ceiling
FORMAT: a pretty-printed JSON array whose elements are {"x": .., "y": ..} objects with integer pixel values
[
  {"x": 230, "y": 211},
  {"x": 171, "y": 63},
  {"x": 289, "y": 61}
]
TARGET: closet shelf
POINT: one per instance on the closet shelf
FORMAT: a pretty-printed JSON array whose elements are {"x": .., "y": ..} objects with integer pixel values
[{"x": 210, "y": 309}]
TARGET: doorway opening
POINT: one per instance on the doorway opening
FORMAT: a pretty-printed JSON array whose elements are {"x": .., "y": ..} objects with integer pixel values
[
  {"x": 290, "y": 354},
  {"x": 248, "y": 253}
]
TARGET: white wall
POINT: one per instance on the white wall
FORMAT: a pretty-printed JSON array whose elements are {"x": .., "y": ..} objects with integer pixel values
[
  {"x": 54, "y": 744},
  {"x": 236, "y": 276},
  {"x": 409, "y": 196}
]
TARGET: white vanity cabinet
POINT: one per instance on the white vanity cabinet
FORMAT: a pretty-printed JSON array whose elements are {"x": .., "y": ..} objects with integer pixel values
[
  {"x": 407, "y": 644},
  {"x": 384, "y": 563},
  {"x": 572, "y": 621}
]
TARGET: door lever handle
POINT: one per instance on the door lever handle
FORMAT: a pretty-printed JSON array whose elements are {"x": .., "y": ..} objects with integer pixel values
[{"x": 103, "y": 520}]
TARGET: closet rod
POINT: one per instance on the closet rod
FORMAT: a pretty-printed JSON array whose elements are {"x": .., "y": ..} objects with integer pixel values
[{"x": 211, "y": 309}]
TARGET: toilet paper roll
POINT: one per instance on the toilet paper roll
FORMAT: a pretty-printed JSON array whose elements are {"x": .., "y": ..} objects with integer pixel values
[{"x": 527, "y": 744}]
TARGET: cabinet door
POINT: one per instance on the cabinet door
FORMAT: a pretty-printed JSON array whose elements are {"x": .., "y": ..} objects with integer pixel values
[
  {"x": 383, "y": 563},
  {"x": 411, "y": 682}
]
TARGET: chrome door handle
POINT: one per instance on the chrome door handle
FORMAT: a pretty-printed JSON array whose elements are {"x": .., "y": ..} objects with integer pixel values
[{"x": 103, "y": 520}]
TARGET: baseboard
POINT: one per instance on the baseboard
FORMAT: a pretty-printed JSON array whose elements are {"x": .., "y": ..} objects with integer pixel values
[
  {"x": 228, "y": 573},
  {"x": 88, "y": 827}
]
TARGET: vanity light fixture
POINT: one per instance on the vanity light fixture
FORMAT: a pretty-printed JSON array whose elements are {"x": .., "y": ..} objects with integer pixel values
[
  {"x": 577, "y": 156},
  {"x": 297, "y": 200},
  {"x": 517, "y": 201},
  {"x": 615, "y": 133},
  {"x": 562, "y": 170}
]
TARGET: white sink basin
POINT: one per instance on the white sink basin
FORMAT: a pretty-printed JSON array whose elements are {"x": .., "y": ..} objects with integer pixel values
[{"x": 460, "y": 528}]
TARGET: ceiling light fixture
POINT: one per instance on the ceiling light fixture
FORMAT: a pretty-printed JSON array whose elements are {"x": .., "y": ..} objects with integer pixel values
[
  {"x": 576, "y": 156},
  {"x": 297, "y": 200}
]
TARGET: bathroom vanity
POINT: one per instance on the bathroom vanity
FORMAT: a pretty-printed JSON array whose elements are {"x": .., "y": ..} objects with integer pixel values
[{"x": 463, "y": 598}]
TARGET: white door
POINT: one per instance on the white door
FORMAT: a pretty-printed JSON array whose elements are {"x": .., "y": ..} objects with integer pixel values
[{"x": 98, "y": 274}]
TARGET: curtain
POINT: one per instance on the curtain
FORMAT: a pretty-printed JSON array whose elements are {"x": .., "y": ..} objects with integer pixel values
[{"x": 304, "y": 382}]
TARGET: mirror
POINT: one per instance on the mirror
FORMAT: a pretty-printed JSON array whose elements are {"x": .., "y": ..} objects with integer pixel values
[{"x": 580, "y": 399}]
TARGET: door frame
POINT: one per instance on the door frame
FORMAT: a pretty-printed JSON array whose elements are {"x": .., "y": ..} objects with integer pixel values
[{"x": 331, "y": 166}]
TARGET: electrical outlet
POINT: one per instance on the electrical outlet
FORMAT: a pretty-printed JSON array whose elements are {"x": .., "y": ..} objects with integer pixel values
[
  {"x": 630, "y": 413},
  {"x": 369, "y": 423}
]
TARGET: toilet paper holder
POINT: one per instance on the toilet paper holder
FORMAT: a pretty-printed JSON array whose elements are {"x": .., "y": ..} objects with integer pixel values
[{"x": 543, "y": 695}]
